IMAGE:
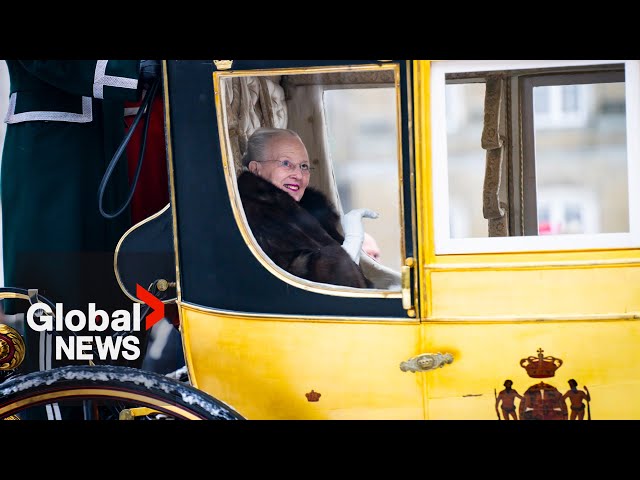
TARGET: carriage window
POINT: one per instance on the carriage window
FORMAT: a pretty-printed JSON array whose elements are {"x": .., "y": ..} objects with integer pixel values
[
  {"x": 464, "y": 104},
  {"x": 363, "y": 147},
  {"x": 563, "y": 106},
  {"x": 535, "y": 155},
  {"x": 576, "y": 148},
  {"x": 347, "y": 120}
]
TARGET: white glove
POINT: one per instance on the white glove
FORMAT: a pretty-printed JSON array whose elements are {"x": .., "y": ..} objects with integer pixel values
[{"x": 354, "y": 231}]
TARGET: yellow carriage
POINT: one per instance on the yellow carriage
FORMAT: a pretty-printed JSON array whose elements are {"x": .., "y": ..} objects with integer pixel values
[{"x": 509, "y": 229}]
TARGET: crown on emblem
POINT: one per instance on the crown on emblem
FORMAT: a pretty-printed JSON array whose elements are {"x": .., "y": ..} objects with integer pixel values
[
  {"x": 541, "y": 366},
  {"x": 313, "y": 396}
]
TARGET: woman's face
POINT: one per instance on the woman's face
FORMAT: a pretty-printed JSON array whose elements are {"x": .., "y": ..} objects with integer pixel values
[{"x": 286, "y": 166}]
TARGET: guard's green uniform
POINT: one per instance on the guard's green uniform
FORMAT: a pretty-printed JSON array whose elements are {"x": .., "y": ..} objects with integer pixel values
[{"x": 64, "y": 123}]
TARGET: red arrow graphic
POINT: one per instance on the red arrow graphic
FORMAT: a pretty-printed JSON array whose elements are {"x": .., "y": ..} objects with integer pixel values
[{"x": 151, "y": 300}]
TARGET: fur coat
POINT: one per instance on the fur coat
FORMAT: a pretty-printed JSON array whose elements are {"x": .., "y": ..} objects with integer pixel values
[{"x": 300, "y": 237}]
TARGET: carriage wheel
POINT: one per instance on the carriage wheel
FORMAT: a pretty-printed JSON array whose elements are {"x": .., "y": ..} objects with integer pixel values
[{"x": 111, "y": 385}]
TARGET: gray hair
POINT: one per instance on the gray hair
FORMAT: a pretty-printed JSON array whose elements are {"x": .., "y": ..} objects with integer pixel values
[{"x": 259, "y": 142}]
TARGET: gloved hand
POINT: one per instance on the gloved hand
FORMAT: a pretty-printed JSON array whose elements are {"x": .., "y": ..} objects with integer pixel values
[
  {"x": 149, "y": 71},
  {"x": 354, "y": 231}
]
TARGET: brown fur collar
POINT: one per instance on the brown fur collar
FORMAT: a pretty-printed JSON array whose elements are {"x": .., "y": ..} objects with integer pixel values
[
  {"x": 300, "y": 237},
  {"x": 313, "y": 201}
]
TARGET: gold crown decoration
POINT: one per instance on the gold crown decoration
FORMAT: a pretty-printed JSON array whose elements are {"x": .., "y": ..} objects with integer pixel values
[
  {"x": 223, "y": 64},
  {"x": 12, "y": 348},
  {"x": 541, "y": 366},
  {"x": 313, "y": 396}
]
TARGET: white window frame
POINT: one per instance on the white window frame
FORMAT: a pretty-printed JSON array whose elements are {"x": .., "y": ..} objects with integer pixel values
[{"x": 444, "y": 244}]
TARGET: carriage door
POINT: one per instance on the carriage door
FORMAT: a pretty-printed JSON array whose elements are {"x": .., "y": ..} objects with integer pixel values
[
  {"x": 269, "y": 341},
  {"x": 528, "y": 231}
]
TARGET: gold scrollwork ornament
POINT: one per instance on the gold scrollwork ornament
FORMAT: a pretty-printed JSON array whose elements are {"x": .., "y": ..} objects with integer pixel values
[{"x": 12, "y": 348}]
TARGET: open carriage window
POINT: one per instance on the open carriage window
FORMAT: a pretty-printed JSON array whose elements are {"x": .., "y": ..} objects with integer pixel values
[
  {"x": 364, "y": 150},
  {"x": 347, "y": 120},
  {"x": 535, "y": 155}
]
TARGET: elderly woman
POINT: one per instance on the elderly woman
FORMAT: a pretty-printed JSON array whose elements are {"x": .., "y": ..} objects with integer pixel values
[{"x": 296, "y": 226}]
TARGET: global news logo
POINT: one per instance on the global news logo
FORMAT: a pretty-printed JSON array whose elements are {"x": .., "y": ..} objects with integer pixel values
[{"x": 71, "y": 328}]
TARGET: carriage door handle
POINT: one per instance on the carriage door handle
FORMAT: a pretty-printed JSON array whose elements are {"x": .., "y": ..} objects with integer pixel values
[
  {"x": 426, "y": 361},
  {"x": 406, "y": 286}
]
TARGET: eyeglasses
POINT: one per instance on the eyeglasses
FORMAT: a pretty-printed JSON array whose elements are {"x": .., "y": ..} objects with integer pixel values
[{"x": 305, "y": 168}]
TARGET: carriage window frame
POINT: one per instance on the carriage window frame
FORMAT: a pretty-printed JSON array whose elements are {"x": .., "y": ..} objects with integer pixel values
[
  {"x": 445, "y": 244},
  {"x": 232, "y": 187},
  {"x": 584, "y": 81}
]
